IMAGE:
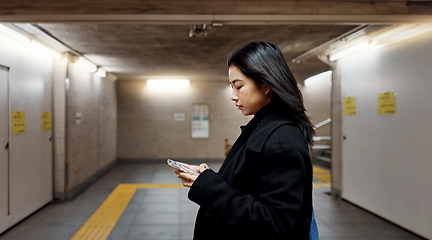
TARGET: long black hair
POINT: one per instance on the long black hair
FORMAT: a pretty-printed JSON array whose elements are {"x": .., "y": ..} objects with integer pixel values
[{"x": 264, "y": 63}]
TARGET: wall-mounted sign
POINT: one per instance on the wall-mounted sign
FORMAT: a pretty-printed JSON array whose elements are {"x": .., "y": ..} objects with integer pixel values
[
  {"x": 18, "y": 122},
  {"x": 200, "y": 121},
  {"x": 387, "y": 103},
  {"x": 46, "y": 121},
  {"x": 350, "y": 106},
  {"x": 179, "y": 117}
]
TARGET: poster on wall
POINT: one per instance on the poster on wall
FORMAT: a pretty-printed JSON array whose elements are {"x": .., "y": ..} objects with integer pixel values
[
  {"x": 200, "y": 120},
  {"x": 387, "y": 102},
  {"x": 18, "y": 122},
  {"x": 46, "y": 121},
  {"x": 350, "y": 106}
]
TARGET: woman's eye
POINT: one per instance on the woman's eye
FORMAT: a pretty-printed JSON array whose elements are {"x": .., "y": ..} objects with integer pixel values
[{"x": 238, "y": 88}]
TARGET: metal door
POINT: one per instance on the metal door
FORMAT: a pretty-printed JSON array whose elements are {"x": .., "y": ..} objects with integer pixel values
[{"x": 4, "y": 142}]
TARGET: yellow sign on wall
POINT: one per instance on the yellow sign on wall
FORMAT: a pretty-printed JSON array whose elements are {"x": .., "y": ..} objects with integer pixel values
[
  {"x": 18, "y": 122},
  {"x": 387, "y": 103},
  {"x": 350, "y": 106},
  {"x": 46, "y": 121}
]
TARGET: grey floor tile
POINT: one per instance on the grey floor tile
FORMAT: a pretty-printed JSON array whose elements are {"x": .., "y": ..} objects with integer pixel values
[
  {"x": 120, "y": 232},
  {"x": 160, "y": 208},
  {"x": 327, "y": 232},
  {"x": 188, "y": 218},
  {"x": 127, "y": 218},
  {"x": 149, "y": 231},
  {"x": 157, "y": 218},
  {"x": 150, "y": 199},
  {"x": 188, "y": 207},
  {"x": 186, "y": 231}
]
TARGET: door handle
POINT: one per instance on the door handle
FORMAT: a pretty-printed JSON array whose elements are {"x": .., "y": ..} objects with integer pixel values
[{"x": 7, "y": 145}]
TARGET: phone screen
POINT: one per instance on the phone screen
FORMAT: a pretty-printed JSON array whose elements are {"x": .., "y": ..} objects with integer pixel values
[{"x": 180, "y": 167}]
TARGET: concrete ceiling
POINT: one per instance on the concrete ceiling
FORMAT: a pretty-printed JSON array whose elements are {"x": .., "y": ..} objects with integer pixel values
[
  {"x": 147, "y": 51},
  {"x": 137, "y": 39}
]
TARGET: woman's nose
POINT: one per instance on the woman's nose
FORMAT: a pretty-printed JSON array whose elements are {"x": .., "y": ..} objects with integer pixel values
[{"x": 234, "y": 96}]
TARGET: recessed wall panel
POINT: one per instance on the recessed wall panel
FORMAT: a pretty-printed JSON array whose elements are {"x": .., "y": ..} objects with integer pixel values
[{"x": 4, "y": 142}]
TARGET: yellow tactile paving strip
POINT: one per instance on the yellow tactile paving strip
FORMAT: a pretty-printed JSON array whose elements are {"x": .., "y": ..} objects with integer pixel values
[
  {"x": 102, "y": 221},
  {"x": 323, "y": 175}
]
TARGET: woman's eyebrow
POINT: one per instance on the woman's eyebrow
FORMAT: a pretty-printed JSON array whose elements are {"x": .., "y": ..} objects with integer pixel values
[{"x": 234, "y": 81}]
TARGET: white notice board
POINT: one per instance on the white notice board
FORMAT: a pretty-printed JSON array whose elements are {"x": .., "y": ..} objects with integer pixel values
[{"x": 200, "y": 120}]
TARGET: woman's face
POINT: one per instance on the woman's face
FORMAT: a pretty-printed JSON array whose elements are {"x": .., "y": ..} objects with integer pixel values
[{"x": 248, "y": 96}]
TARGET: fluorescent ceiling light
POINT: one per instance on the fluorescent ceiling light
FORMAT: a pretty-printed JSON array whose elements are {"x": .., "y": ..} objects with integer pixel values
[
  {"x": 45, "y": 38},
  {"x": 111, "y": 77},
  {"x": 27, "y": 42},
  {"x": 14, "y": 34},
  {"x": 349, "y": 51},
  {"x": 45, "y": 50},
  {"x": 317, "y": 78},
  {"x": 86, "y": 64},
  {"x": 168, "y": 83},
  {"x": 100, "y": 72},
  {"x": 379, "y": 39},
  {"x": 402, "y": 33}
]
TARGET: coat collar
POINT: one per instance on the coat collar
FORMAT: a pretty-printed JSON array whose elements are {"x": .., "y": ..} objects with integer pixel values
[{"x": 268, "y": 120}]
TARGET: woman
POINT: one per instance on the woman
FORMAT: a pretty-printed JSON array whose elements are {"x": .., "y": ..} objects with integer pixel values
[{"x": 263, "y": 190}]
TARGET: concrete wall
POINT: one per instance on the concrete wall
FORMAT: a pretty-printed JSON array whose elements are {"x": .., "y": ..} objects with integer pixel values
[
  {"x": 386, "y": 159},
  {"x": 146, "y": 126}
]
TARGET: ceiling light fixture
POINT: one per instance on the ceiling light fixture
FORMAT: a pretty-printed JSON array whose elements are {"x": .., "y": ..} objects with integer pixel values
[
  {"x": 377, "y": 40},
  {"x": 41, "y": 48},
  {"x": 356, "y": 48},
  {"x": 33, "y": 38},
  {"x": 86, "y": 64},
  {"x": 111, "y": 77},
  {"x": 401, "y": 33},
  {"x": 100, "y": 72},
  {"x": 168, "y": 83},
  {"x": 317, "y": 78},
  {"x": 14, "y": 34},
  {"x": 348, "y": 36}
]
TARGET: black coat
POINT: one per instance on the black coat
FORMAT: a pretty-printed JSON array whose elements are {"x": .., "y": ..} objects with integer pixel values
[{"x": 264, "y": 188}]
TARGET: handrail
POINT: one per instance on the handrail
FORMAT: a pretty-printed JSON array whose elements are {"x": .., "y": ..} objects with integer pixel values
[
  {"x": 322, "y": 138},
  {"x": 323, "y": 123}
]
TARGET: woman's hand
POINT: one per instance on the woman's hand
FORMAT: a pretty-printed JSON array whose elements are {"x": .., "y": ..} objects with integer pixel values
[{"x": 188, "y": 179}]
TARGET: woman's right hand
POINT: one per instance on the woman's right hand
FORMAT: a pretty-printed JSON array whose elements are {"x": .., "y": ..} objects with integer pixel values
[{"x": 188, "y": 179}]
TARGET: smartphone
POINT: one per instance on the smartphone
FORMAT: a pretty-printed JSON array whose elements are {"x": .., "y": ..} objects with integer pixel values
[{"x": 180, "y": 167}]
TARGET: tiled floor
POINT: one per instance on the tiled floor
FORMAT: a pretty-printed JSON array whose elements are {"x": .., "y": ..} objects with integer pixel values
[{"x": 166, "y": 213}]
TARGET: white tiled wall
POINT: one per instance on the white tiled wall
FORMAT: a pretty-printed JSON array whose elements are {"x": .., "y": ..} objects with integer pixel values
[{"x": 91, "y": 126}]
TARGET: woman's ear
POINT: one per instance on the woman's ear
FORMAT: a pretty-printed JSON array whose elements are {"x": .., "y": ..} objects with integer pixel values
[
  {"x": 267, "y": 89},
  {"x": 264, "y": 88}
]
